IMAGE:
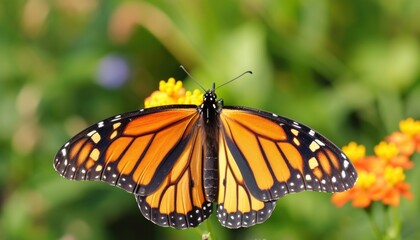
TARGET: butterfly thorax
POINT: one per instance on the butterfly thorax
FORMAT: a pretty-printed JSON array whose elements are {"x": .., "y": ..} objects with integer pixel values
[{"x": 210, "y": 121}]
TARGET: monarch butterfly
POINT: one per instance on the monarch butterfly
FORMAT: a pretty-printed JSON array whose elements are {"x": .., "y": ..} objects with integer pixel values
[{"x": 179, "y": 160}]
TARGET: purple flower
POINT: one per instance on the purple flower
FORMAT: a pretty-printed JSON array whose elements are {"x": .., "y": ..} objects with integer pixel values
[{"x": 113, "y": 71}]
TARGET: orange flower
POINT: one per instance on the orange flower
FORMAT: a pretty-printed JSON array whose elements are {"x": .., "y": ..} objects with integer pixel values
[
  {"x": 391, "y": 154},
  {"x": 416, "y": 139},
  {"x": 393, "y": 195},
  {"x": 382, "y": 177},
  {"x": 401, "y": 161},
  {"x": 408, "y": 140},
  {"x": 361, "y": 194},
  {"x": 356, "y": 153},
  {"x": 403, "y": 142},
  {"x": 395, "y": 186}
]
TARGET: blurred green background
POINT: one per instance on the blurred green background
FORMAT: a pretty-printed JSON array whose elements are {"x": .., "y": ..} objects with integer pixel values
[{"x": 349, "y": 69}]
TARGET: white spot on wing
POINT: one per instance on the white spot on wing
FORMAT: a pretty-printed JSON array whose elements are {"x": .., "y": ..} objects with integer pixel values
[
  {"x": 346, "y": 164},
  {"x": 92, "y": 132},
  {"x": 296, "y": 124},
  {"x": 116, "y": 118},
  {"x": 320, "y": 142},
  {"x": 312, "y": 132}
]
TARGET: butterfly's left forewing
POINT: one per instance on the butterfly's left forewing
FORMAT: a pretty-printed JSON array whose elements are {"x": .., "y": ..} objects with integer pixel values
[
  {"x": 133, "y": 151},
  {"x": 277, "y": 156}
]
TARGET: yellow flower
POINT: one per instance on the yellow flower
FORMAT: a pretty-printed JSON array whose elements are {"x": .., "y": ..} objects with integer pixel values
[
  {"x": 195, "y": 98},
  {"x": 410, "y": 127},
  {"x": 354, "y": 151},
  {"x": 395, "y": 186},
  {"x": 394, "y": 175},
  {"x": 386, "y": 150},
  {"x": 366, "y": 179},
  {"x": 171, "y": 87},
  {"x": 172, "y": 92}
]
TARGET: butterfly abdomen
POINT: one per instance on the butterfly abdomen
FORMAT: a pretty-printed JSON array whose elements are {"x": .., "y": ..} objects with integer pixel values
[
  {"x": 210, "y": 171},
  {"x": 211, "y": 177},
  {"x": 210, "y": 123}
]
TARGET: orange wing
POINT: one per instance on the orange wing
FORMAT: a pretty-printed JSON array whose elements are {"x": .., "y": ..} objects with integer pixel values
[
  {"x": 134, "y": 151},
  {"x": 180, "y": 201},
  {"x": 155, "y": 153},
  {"x": 266, "y": 156},
  {"x": 237, "y": 207}
]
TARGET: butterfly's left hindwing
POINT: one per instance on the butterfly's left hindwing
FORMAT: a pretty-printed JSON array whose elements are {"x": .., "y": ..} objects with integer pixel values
[
  {"x": 278, "y": 156},
  {"x": 180, "y": 201}
]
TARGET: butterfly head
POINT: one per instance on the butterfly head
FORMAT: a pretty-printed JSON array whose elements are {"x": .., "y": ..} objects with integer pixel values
[
  {"x": 210, "y": 97},
  {"x": 211, "y": 105}
]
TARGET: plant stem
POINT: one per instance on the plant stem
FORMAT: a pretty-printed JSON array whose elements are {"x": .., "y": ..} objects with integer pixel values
[
  {"x": 210, "y": 230},
  {"x": 375, "y": 228},
  {"x": 394, "y": 229}
]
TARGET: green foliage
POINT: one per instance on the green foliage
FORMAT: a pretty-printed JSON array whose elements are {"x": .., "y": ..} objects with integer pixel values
[{"x": 349, "y": 69}]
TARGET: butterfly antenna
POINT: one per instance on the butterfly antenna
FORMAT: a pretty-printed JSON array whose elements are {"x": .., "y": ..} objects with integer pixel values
[
  {"x": 185, "y": 70},
  {"x": 246, "y": 72}
]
